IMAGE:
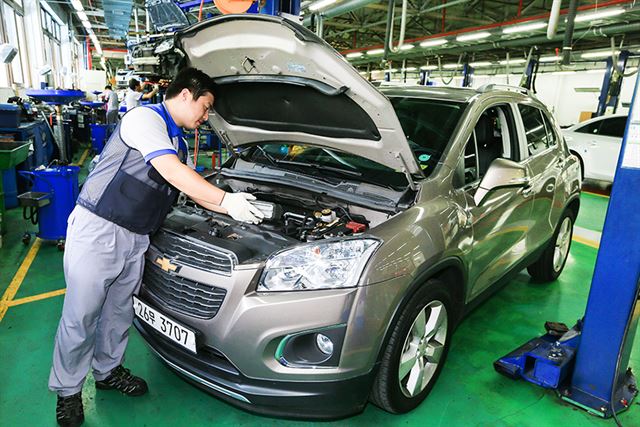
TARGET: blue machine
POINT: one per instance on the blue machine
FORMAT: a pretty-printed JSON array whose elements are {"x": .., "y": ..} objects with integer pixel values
[
  {"x": 99, "y": 135},
  {"x": 51, "y": 199},
  {"x": 588, "y": 364}
]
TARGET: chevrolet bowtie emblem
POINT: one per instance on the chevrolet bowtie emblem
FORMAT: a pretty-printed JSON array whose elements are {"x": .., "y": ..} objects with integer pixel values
[{"x": 165, "y": 264}]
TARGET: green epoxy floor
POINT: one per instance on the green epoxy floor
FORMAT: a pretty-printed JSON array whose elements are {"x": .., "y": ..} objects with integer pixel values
[{"x": 469, "y": 392}]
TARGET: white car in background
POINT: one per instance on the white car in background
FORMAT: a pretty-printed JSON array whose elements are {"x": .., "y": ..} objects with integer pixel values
[{"x": 597, "y": 143}]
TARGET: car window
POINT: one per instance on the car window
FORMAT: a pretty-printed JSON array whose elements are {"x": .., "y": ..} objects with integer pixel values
[
  {"x": 428, "y": 125},
  {"x": 493, "y": 137},
  {"x": 613, "y": 126},
  {"x": 591, "y": 128},
  {"x": 552, "y": 140},
  {"x": 535, "y": 130}
]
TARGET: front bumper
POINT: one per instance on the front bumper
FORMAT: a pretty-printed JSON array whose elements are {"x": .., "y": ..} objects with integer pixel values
[{"x": 212, "y": 372}]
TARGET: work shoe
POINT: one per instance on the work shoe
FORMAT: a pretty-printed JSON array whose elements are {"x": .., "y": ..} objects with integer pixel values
[
  {"x": 121, "y": 379},
  {"x": 69, "y": 412}
]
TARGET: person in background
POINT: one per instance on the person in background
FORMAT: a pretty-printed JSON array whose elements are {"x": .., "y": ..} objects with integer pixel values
[
  {"x": 135, "y": 96},
  {"x": 111, "y": 98}
]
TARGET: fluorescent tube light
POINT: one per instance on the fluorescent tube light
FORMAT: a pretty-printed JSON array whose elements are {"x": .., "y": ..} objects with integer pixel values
[
  {"x": 409, "y": 69},
  {"x": 599, "y": 54},
  {"x": 524, "y": 28},
  {"x": 391, "y": 70},
  {"x": 473, "y": 36},
  {"x": 407, "y": 47},
  {"x": 606, "y": 13},
  {"x": 433, "y": 42},
  {"x": 77, "y": 5},
  {"x": 375, "y": 52},
  {"x": 513, "y": 61},
  {"x": 429, "y": 67},
  {"x": 550, "y": 58},
  {"x": 480, "y": 64},
  {"x": 451, "y": 66},
  {"x": 321, "y": 4},
  {"x": 354, "y": 55}
]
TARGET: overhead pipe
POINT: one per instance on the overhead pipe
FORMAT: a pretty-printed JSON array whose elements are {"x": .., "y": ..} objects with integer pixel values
[
  {"x": 403, "y": 25},
  {"x": 600, "y": 32},
  {"x": 568, "y": 32},
  {"x": 342, "y": 8},
  {"x": 554, "y": 19}
]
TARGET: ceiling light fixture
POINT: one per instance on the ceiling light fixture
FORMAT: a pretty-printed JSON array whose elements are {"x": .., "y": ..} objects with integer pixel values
[
  {"x": 375, "y": 52},
  {"x": 433, "y": 42},
  {"x": 354, "y": 55},
  {"x": 606, "y": 13},
  {"x": 513, "y": 61},
  {"x": 451, "y": 66},
  {"x": 473, "y": 36},
  {"x": 599, "y": 54},
  {"x": 391, "y": 70},
  {"x": 524, "y": 28},
  {"x": 550, "y": 58},
  {"x": 429, "y": 67},
  {"x": 480, "y": 64},
  {"x": 407, "y": 47},
  {"x": 409, "y": 69},
  {"x": 321, "y": 4},
  {"x": 77, "y": 5}
]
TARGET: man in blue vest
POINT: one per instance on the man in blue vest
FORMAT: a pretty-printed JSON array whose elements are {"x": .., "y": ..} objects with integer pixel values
[{"x": 124, "y": 200}]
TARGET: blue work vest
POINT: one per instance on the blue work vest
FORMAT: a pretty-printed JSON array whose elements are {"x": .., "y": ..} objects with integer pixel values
[{"x": 127, "y": 191}]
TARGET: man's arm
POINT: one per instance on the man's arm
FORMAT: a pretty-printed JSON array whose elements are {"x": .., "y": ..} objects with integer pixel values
[
  {"x": 151, "y": 94},
  {"x": 189, "y": 182}
]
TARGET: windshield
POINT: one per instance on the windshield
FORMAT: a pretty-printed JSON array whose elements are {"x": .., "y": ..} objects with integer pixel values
[
  {"x": 428, "y": 125},
  {"x": 325, "y": 163}
]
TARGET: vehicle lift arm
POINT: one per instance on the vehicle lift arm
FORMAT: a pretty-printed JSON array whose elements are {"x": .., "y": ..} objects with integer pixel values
[{"x": 588, "y": 364}]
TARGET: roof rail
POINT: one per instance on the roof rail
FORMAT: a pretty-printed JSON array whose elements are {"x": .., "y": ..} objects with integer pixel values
[{"x": 493, "y": 86}]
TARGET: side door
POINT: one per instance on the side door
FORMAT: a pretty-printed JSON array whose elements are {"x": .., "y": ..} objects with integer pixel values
[
  {"x": 501, "y": 221},
  {"x": 608, "y": 144},
  {"x": 545, "y": 165}
]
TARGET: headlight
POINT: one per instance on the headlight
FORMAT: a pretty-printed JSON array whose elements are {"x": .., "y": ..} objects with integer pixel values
[{"x": 320, "y": 265}]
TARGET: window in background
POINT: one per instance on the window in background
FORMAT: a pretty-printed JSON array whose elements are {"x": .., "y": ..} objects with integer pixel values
[
  {"x": 14, "y": 27},
  {"x": 52, "y": 49}
]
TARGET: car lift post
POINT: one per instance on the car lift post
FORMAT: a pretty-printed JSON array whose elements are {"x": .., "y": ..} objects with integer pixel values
[
  {"x": 611, "y": 84},
  {"x": 588, "y": 363},
  {"x": 467, "y": 75}
]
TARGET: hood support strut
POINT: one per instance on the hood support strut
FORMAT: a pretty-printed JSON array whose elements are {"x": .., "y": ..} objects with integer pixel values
[{"x": 405, "y": 170}]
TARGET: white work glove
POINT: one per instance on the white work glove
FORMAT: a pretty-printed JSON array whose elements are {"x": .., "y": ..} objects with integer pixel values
[{"x": 239, "y": 208}]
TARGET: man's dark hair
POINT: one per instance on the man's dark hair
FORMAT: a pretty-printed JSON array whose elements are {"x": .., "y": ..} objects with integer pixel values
[
  {"x": 133, "y": 84},
  {"x": 193, "y": 79},
  {"x": 108, "y": 87}
]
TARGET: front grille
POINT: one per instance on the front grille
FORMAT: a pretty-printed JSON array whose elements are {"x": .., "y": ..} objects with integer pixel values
[
  {"x": 193, "y": 254},
  {"x": 183, "y": 295}
]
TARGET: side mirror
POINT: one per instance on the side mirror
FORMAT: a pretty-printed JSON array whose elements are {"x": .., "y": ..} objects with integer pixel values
[{"x": 502, "y": 173}]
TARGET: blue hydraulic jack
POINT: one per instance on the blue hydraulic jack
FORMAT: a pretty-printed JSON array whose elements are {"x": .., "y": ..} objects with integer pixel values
[{"x": 588, "y": 364}]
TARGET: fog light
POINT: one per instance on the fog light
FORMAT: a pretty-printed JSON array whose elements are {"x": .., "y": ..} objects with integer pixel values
[{"x": 324, "y": 344}]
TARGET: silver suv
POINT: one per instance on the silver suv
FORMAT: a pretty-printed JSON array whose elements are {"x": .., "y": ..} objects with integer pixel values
[{"x": 390, "y": 212}]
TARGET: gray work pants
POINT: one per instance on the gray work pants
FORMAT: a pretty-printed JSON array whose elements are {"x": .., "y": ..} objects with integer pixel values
[
  {"x": 112, "y": 116},
  {"x": 103, "y": 265}
]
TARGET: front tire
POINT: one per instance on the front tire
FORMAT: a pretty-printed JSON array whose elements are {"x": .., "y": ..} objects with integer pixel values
[
  {"x": 552, "y": 261},
  {"x": 416, "y": 351}
]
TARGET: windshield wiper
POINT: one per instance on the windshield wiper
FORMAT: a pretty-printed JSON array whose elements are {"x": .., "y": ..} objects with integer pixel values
[{"x": 318, "y": 167}]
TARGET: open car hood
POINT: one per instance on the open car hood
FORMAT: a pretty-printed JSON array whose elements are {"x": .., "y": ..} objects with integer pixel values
[{"x": 279, "y": 82}]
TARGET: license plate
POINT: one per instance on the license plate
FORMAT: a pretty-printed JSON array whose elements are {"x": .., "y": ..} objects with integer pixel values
[{"x": 166, "y": 326}]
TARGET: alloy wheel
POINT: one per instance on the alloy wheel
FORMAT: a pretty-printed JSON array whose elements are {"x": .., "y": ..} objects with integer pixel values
[{"x": 423, "y": 349}]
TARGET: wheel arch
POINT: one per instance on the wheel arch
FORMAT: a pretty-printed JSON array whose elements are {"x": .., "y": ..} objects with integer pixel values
[{"x": 449, "y": 271}]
